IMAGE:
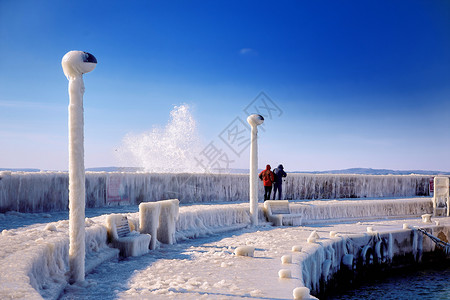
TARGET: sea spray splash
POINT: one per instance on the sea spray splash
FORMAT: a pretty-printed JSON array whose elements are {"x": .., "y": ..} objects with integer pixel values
[{"x": 170, "y": 149}]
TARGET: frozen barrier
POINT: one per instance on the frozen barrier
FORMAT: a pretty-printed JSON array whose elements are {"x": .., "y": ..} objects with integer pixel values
[
  {"x": 48, "y": 191},
  {"x": 203, "y": 220},
  {"x": 167, "y": 221},
  {"x": 441, "y": 197},
  {"x": 342, "y": 258},
  {"x": 34, "y": 263},
  {"x": 329, "y": 211}
]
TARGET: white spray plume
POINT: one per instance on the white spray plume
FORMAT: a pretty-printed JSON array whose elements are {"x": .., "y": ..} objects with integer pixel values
[{"x": 171, "y": 149}]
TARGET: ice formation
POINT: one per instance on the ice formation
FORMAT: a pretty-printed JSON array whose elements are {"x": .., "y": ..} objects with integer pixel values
[
  {"x": 130, "y": 243},
  {"x": 47, "y": 191},
  {"x": 284, "y": 273},
  {"x": 318, "y": 211},
  {"x": 149, "y": 220},
  {"x": 426, "y": 218},
  {"x": 279, "y": 214},
  {"x": 167, "y": 221},
  {"x": 313, "y": 237},
  {"x": 296, "y": 248},
  {"x": 170, "y": 149},
  {"x": 301, "y": 293},
  {"x": 245, "y": 251},
  {"x": 36, "y": 259},
  {"x": 254, "y": 121},
  {"x": 286, "y": 259},
  {"x": 75, "y": 64},
  {"x": 35, "y": 262},
  {"x": 441, "y": 197},
  {"x": 347, "y": 260},
  {"x": 50, "y": 227}
]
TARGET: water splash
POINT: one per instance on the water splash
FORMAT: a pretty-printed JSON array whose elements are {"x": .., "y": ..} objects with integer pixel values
[{"x": 171, "y": 149}]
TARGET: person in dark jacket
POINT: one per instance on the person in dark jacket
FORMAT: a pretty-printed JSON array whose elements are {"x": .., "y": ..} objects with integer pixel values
[
  {"x": 268, "y": 178},
  {"x": 279, "y": 174}
]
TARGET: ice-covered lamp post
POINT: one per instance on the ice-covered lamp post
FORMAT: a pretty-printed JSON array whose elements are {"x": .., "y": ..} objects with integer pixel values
[
  {"x": 254, "y": 121},
  {"x": 75, "y": 64}
]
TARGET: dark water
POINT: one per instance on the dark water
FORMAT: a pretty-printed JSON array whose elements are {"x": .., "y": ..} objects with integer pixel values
[{"x": 406, "y": 284}]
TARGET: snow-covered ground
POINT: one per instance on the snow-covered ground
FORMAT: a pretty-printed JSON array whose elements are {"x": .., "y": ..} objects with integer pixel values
[
  {"x": 207, "y": 269},
  {"x": 204, "y": 267}
]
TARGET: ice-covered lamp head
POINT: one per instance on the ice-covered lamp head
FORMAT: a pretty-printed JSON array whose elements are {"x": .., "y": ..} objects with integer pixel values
[
  {"x": 255, "y": 120},
  {"x": 76, "y": 63}
]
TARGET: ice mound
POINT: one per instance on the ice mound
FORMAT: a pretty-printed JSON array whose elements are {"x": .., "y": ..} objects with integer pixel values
[
  {"x": 284, "y": 273},
  {"x": 296, "y": 248},
  {"x": 286, "y": 259},
  {"x": 301, "y": 293},
  {"x": 245, "y": 251},
  {"x": 313, "y": 237}
]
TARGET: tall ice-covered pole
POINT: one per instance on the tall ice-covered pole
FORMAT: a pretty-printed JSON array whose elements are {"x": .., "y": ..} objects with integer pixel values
[
  {"x": 254, "y": 121},
  {"x": 75, "y": 64}
]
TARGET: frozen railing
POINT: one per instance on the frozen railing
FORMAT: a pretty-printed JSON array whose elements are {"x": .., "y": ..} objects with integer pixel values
[{"x": 48, "y": 191}]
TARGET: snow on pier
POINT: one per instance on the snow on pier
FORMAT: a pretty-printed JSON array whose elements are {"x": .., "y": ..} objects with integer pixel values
[{"x": 34, "y": 259}]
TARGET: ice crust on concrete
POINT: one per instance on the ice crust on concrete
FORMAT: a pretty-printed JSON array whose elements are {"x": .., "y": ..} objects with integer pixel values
[
  {"x": 245, "y": 251},
  {"x": 284, "y": 273},
  {"x": 34, "y": 263},
  {"x": 301, "y": 293},
  {"x": 149, "y": 221},
  {"x": 441, "y": 197},
  {"x": 203, "y": 220},
  {"x": 167, "y": 221},
  {"x": 47, "y": 191},
  {"x": 130, "y": 243},
  {"x": 286, "y": 259}
]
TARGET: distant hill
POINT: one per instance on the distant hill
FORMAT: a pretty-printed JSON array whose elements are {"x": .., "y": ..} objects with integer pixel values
[
  {"x": 19, "y": 170},
  {"x": 115, "y": 169},
  {"x": 369, "y": 171},
  {"x": 362, "y": 171}
]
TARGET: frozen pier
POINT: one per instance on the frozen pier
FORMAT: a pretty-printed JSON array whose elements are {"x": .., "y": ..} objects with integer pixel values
[{"x": 203, "y": 263}]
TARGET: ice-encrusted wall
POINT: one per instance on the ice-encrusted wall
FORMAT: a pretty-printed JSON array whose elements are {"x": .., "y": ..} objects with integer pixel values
[
  {"x": 321, "y": 261},
  {"x": 312, "y": 186},
  {"x": 48, "y": 191}
]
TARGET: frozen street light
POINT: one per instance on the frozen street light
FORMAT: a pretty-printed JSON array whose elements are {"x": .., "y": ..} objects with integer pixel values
[
  {"x": 75, "y": 64},
  {"x": 254, "y": 121}
]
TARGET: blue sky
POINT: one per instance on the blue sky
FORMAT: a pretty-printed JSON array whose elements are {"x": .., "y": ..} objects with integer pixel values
[{"x": 357, "y": 83}]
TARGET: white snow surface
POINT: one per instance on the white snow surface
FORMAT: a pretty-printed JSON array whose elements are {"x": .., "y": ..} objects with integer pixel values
[{"x": 202, "y": 264}]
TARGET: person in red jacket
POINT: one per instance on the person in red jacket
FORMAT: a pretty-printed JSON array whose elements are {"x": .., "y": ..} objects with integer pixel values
[{"x": 268, "y": 178}]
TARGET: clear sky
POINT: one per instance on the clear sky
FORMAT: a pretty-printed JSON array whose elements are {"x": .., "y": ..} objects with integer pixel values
[{"x": 351, "y": 83}]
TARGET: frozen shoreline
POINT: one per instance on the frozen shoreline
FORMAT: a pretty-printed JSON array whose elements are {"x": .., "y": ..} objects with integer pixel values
[{"x": 209, "y": 260}]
